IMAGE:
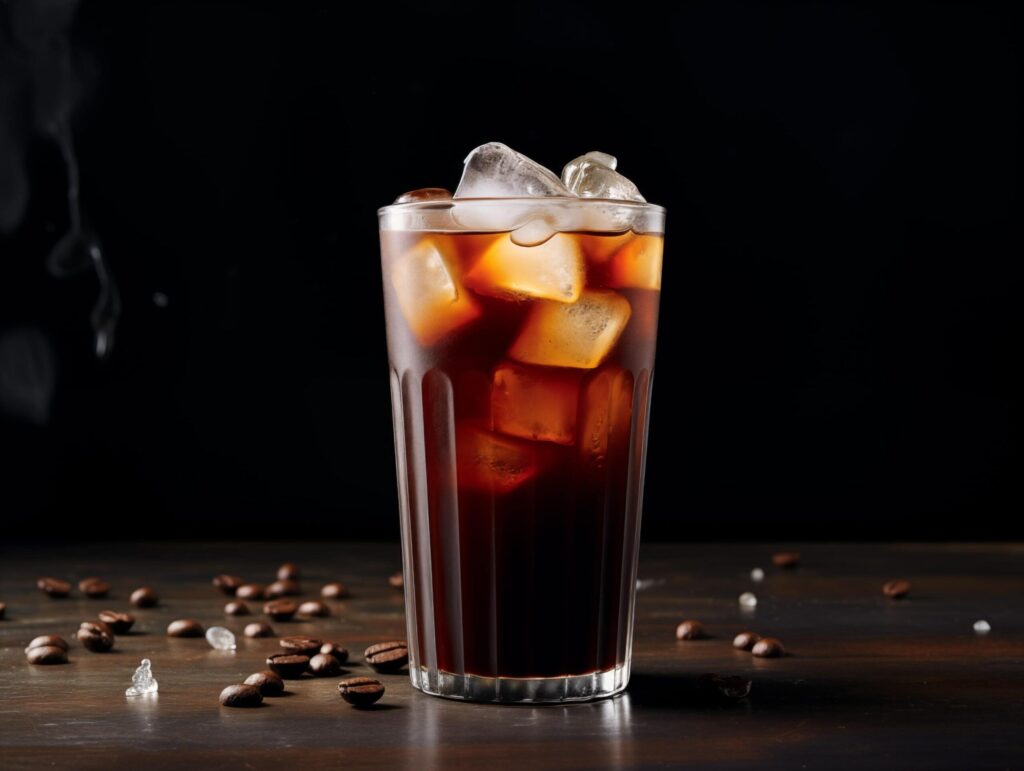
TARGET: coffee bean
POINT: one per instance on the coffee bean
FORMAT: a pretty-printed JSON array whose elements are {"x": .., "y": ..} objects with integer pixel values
[
  {"x": 95, "y": 636},
  {"x": 46, "y": 654},
  {"x": 397, "y": 581},
  {"x": 250, "y": 592},
  {"x": 47, "y": 640},
  {"x": 786, "y": 559},
  {"x": 3, "y": 609},
  {"x": 361, "y": 691},
  {"x": 237, "y": 608},
  {"x": 290, "y": 666},
  {"x": 324, "y": 665},
  {"x": 119, "y": 623},
  {"x": 94, "y": 587},
  {"x": 241, "y": 696},
  {"x": 314, "y": 608},
  {"x": 387, "y": 657},
  {"x": 54, "y": 587},
  {"x": 724, "y": 687},
  {"x": 307, "y": 646},
  {"x": 144, "y": 597},
  {"x": 334, "y": 591},
  {"x": 690, "y": 630},
  {"x": 258, "y": 629},
  {"x": 280, "y": 610},
  {"x": 338, "y": 651},
  {"x": 768, "y": 648},
  {"x": 185, "y": 627},
  {"x": 289, "y": 571},
  {"x": 283, "y": 588},
  {"x": 744, "y": 641},
  {"x": 897, "y": 589},
  {"x": 268, "y": 683},
  {"x": 227, "y": 583}
]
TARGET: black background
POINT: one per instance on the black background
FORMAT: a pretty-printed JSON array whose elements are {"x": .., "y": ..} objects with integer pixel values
[{"x": 842, "y": 289}]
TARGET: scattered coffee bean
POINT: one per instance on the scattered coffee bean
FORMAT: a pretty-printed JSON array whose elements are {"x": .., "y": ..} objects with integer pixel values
[
  {"x": 94, "y": 587},
  {"x": 306, "y": 646},
  {"x": 185, "y": 627},
  {"x": 897, "y": 589},
  {"x": 290, "y": 666},
  {"x": 314, "y": 608},
  {"x": 119, "y": 623},
  {"x": 283, "y": 588},
  {"x": 324, "y": 665},
  {"x": 227, "y": 583},
  {"x": 786, "y": 559},
  {"x": 280, "y": 610},
  {"x": 289, "y": 571},
  {"x": 690, "y": 630},
  {"x": 241, "y": 696},
  {"x": 258, "y": 629},
  {"x": 46, "y": 654},
  {"x": 387, "y": 657},
  {"x": 361, "y": 691},
  {"x": 724, "y": 687},
  {"x": 54, "y": 587},
  {"x": 339, "y": 652},
  {"x": 744, "y": 641},
  {"x": 334, "y": 591},
  {"x": 47, "y": 640},
  {"x": 768, "y": 648},
  {"x": 144, "y": 597},
  {"x": 237, "y": 608},
  {"x": 268, "y": 683},
  {"x": 3, "y": 609},
  {"x": 95, "y": 636},
  {"x": 397, "y": 581},
  {"x": 250, "y": 592}
]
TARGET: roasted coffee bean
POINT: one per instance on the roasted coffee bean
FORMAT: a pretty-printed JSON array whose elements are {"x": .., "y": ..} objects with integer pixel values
[
  {"x": 768, "y": 648},
  {"x": 119, "y": 623},
  {"x": 51, "y": 640},
  {"x": 54, "y": 586},
  {"x": 744, "y": 641},
  {"x": 324, "y": 665},
  {"x": 250, "y": 592},
  {"x": 185, "y": 627},
  {"x": 241, "y": 696},
  {"x": 307, "y": 646},
  {"x": 94, "y": 587},
  {"x": 258, "y": 629},
  {"x": 283, "y": 588},
  {"x": 397, "y": 581},
  {"x": 227, "y": 583},
  {"x": 289, "y": 571},
  {"x": 334, "y": 591},
  {"x": 690, "y": 630},
  {"x": 387, "y": 657},
  {"x": 144, "y": 597},
  {"x": 314, "y": 608},
  {"x": 46, "y": 654},
  {"x": 290, "y": 666},
  {"x": 724, "y": 687},
  {"x": 237, "y": 608},
  {"x": 95, "y": 636},
  {"x": 786, "y": 559},
  {"x": 3, "y": 609},
  {"x": 897, "y": 589},
  {"x": 339, "y": 652},
  {"x": 280, "y": 610},
  {"x": 268, "y": 683},
  {"x": 361, "y": 691}
]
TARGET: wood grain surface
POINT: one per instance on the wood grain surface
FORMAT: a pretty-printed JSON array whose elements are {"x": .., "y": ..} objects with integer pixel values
[{"x": 869, "y": 682}]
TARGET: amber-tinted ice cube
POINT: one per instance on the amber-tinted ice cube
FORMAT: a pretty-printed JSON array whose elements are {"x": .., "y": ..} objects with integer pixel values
[
  {"x": 552, "y": 270},
  {"x": 605, "y": 415},
  {"x": 492, "y": 463},
  {"x": 535, "y": 403},
  {"x": 637, "y": 263},
  {"x": 578, "y": 335}
]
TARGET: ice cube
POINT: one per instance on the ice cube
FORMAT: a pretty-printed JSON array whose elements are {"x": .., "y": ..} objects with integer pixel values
[
  {"x": 429, "y": 292},
  {"x": 220, "y": 638},
  {"x": 552, "y": 270},
  {"x": 535, "y": 403},
  {"x": 605, "y": 415},
  {"x": 593, "y": 175},
  {"x": 533, "y": 233},
  {"x": 599, "y": 247},
  {"x": 578, "y": 335},
  {"x": 142, "y": 680},
  {"x": 425, "y": 194},
  {"x": 637, "y": 263},
  {"x": 495, "y": 170},
  {"x": 491, "y": 463}
]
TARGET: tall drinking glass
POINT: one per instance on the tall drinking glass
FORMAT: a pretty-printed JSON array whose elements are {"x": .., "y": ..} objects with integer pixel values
[{"x": 521, "y": 359}]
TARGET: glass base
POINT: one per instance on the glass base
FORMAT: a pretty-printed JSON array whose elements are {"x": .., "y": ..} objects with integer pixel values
[{"x": 521, "y": 690}]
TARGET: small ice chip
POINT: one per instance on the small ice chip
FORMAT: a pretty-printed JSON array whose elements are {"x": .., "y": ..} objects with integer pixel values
[
  {"x": 142, "y": 681},
  {"x": 748, "y": 600},
  {"x": 220, "y": 638},
  {"x": 982, "y": 627},
  {"x": 757, "y": 575}
]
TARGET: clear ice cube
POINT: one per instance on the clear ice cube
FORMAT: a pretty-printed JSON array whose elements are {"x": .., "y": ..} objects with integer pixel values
[
  {"x": 606, "y": 414},
  {"x": 220, "y": 638},
  {"x": 495, "y": 170},
  {"x": 535, "y": 403},
  {"x": 552, "y": 270},
  {"x": 637, "y": 263},
  {"x": 142, "y": 680},
  {"x": 491, "y": 463},
  {"x": 593, "y": 175},
  {"x": 424, "y": 194}
]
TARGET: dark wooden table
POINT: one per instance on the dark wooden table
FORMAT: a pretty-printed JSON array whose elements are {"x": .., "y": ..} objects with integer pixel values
[{"x": 870, "y": 682}]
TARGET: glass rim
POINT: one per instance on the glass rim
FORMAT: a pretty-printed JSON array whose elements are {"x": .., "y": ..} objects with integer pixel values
[{"x": 445, "y": 203}]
